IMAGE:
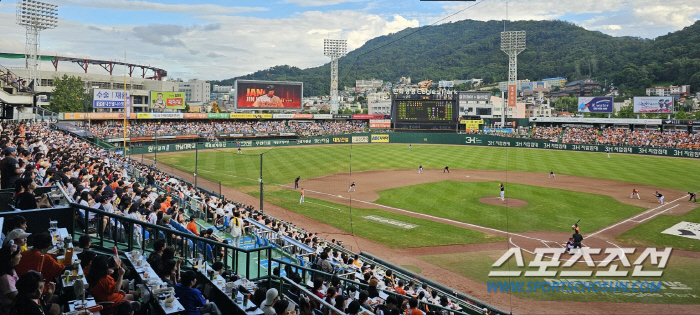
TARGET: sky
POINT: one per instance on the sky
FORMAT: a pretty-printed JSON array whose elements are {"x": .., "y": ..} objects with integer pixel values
[{"x": 219, "y": 39}]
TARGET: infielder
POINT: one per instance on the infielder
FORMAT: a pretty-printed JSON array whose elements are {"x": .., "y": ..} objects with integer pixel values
[
  {"x": 352, "y": 187},
  {"x": 446, "y": 169},
  {"x": 551, "y": 174},
  {"x": 660, "y": 196},
  {"x": 502, "y": 192},
  {"x": 239, "y": 151},
  {"x": 692, "y": 197},
  {"x": 302, "y": 195},
  {"x": 635, "y": 192},
  {"x": 296, "y": 182},
  {"x": 420, "y": 169}
]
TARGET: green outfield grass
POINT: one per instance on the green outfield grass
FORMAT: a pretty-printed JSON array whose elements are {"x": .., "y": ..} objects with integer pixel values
[
  {"x": 427, "y": 233},
  {"x": 283, "y": 164},
  {"x": 649, "y": 233},
  {"x": 478, "y": 265},
  {"x": 548, "y": 209}
]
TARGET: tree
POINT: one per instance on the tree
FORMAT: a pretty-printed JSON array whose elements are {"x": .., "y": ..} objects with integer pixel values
[
  {"x": 365, "y": 111},
  {"x": 626, "y": 111},
  {"x": 68, "y": 95},
  {"x": 681, "y": 114},
  {"x": 187, "y": 108}
]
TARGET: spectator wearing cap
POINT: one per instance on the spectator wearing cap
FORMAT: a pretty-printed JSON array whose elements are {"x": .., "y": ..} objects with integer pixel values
[
  {"x": 50, "y": 269},
  {"x": 192, "y": 299},
  {"x": 10, "y": 170},
  {"x": 18, "y": 236},
  {"x": 271, "y": 297}
]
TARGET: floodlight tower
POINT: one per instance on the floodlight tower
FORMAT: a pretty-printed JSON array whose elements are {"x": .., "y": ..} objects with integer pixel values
[
  {"x": 512, "y": 43},
  {"x": 35, "y": 16},
  {"x": 334, "y": 48}
]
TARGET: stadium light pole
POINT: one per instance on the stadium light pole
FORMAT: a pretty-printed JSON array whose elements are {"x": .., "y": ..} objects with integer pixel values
[
  {"x": 35, "y": 16},
  {"x": 512, "y": 43},
  {"x": 334, "y": 48}
]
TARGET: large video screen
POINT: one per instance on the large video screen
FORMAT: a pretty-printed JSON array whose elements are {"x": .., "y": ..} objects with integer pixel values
[
  {"x": 426, "y": 110},
  {"x": 268, "y": 95}
]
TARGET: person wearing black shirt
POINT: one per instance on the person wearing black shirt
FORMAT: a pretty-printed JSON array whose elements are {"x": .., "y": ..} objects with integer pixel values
[
  {"x": 578, "y": 238},
  {"x": 150, "y": 179},
  {"x": 296, "y": 182},
  {"x": 26, "y": 200},
  {"x": 155, "y": 258},
  {"x": 9, "y": 168}
]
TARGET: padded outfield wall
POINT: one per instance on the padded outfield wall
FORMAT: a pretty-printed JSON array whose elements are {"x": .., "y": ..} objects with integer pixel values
[{"x": 415, "y": 138}]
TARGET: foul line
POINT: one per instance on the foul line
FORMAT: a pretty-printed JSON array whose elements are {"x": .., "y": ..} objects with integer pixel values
[{"x": 636, "y": 216}]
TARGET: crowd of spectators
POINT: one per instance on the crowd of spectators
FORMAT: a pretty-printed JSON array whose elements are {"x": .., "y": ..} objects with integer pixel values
[
  {"x": 10, "y": 79},
  {"x": 210, "y": 129},
  {"x": 312, "y": 129},
  {"x": 546, "y": 133},
  {"x": 579, "y": 135}
]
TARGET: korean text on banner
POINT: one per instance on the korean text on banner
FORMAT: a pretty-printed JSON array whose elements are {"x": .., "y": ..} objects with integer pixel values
[
  {"x": 512, "y": 95},
  {"x": 167, "y": 100}
]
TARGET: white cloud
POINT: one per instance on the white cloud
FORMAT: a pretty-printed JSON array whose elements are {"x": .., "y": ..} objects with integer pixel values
[
  {"x": 124, "y": 5},
  {"x": 318, "y": 3}
]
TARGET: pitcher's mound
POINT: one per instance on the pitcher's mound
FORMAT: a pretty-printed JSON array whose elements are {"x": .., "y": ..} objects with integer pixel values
[{"x": 510, "y": 202}]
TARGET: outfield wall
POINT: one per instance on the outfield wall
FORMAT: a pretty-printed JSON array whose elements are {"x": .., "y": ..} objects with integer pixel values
[{"x": 416, "y": 138}]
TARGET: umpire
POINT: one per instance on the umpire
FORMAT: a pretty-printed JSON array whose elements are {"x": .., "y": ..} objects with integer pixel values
[{"x": 578, "y": 238}]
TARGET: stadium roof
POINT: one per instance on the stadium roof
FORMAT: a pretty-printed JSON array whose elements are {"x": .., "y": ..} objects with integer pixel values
[{"x": 152, "y": 72}]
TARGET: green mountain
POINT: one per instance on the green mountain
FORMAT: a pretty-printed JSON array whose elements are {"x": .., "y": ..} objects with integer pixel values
[{"x": 471, "y": 49}]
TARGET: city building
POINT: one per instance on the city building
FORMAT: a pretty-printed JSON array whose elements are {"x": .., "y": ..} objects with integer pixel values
[
  {"x": 196, "y": 91},
  {"x": 584, "y": 87},
  {"x": 675, "y": 91},
  {"x": 553, "y": 82},
  {"x": 379, "y": 108},
  {"x": 368, "y": 85},
  {"x": 139, "y": 88},
  {"x": 503, "y": 86}
]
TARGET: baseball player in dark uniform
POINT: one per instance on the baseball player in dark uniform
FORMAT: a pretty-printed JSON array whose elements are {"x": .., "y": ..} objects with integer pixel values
[
  {"x": 420, "y": 169},
  {"x": 692, "y": 197},
  {"x": 296, "y": 182},
  {"x": 446, "y": 169},
  {"x": 660, "y": 196},
  {"x": 551, "y": 174},
  {"x": 502, "y": 192},
  {"x": 352, "y": 187},
  {"x": 578, "y": 238}
]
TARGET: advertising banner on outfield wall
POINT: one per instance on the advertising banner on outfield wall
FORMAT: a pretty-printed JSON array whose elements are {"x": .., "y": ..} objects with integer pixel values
[
  {"x": 653, "y": 104},
  {"x": 250, "y": 116},
  {"x": 268, "y": 94},
  {"x": 195, "y": 116},
  {"x": 323, "y": 116},
  {"x": 595, "y": 104},
  {"x": 380, "y": 138},
  {"x": 360, "y": 139},
  {"x": 218, "y": 116},
  {"x": 342, "y": 116}
]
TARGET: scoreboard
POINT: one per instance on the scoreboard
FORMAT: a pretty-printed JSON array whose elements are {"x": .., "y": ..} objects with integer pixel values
[{"x": 425, "y": 110}]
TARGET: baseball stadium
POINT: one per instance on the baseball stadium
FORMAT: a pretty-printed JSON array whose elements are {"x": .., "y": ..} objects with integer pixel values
[{"x": 147, "y": 202}]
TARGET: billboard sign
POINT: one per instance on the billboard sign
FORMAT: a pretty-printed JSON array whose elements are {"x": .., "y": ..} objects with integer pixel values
[
  {"x": 380, "y": 123},
  {"x": 103, "y": 98},
  {"x": 595, "y": 104},
  {"x": 268, "y": 95},
  {"x": 653, "y": 104},
  {"x": 380, "y": 138},
  {"x": 475, "y": 96},
  {"x": 512, "y": 95},
  {"x": 167, "y": 100}
]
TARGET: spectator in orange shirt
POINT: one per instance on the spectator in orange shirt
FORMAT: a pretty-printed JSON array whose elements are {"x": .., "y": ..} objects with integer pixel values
[
  {"x": 31, "y": 259},
  {"x": 102, "y": 285},
  {"x": 399, "y": 288},
  {"x": 413, "y": 307},
  {"x": 192, "y": 226}
]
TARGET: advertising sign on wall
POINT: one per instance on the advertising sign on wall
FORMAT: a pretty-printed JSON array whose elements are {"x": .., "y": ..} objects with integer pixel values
[
  {"x": 595, "y": 104},
  {"x": 653, "y": 104},
  {"x": 380, "y": 138},
  {"x": 167, "y": 100},
  {"x": 103, "y": 98},
  {"x": 472, "y": 124},
  {"x": 268, "y": 94}
]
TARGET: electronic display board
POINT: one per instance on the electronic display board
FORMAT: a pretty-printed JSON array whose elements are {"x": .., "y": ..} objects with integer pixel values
[{"x": 425, "y": 110}]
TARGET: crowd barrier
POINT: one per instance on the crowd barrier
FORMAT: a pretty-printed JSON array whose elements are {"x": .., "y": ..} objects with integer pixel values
[{"x": 417, "y": 138}]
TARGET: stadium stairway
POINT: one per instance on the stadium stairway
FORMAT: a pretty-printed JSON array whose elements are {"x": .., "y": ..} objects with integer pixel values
[{"x": 15, "y": 99}]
